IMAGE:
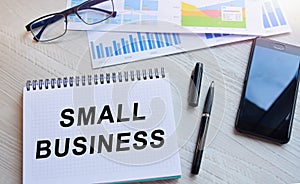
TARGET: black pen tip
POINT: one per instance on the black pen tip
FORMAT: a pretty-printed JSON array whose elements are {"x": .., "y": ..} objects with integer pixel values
[{"x": 212, "y": 84}]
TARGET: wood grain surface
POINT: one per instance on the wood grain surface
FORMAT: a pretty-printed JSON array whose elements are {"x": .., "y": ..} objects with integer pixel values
[{"x": 228, "y": 157}]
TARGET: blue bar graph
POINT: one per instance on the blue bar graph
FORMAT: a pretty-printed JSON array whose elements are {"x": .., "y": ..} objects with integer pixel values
[
  {"x": 169, "y": 38},
  {"x": 175, "y": 38},
  {"x": 98, "y": 51},
  {"x": 273, "y": 19},
  {"x": 160, "y": 38},
  {"x": 140, "y": 41},
  {"x": 214, "y": 35},
  {"x": 265, "y": 20},
  {"x": 115, "y": 47},
  {"x": 149, "y": 40},
  {"x": 119, "y": 49},
  {"x": 144, "y": 43},
  {"x": 107, "y": 52},
  {"x": 127, "y": 46},
  {"x": 166, "y": 38},
  {"x": 124, "y": 45},
  {"x": 272, "y": 14},
  {"x": 101, "y": 50},
  {"x": 110, "y": 51},
  {"x": 157, "y": 40},
  {"x": 208, "y": 35},
  {"x": 280, "y": 16},
  {"x": 217, "y": 35},
  {"x": 93, "y": 50},
  {"x": 152, "y": 41},
  {"x": 178, "y": 38},
  {"x": 133, "y": 43}
]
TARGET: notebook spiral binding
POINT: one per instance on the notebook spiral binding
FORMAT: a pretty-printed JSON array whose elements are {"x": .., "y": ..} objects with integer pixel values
[{"x": 95, "y": 79}]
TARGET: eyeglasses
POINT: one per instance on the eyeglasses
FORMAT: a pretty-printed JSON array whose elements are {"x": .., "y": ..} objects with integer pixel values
[{"x": 53, "y": 26}]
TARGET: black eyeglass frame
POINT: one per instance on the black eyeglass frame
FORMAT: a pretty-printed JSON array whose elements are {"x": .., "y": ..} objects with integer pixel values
[{"x": 64, "y": 14}]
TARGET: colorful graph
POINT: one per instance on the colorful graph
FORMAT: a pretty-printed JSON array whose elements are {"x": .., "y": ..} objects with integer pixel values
[{"x": 227, "y": 15}]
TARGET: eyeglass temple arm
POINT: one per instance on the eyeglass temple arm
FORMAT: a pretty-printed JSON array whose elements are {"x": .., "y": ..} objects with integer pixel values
[
  {"x": 43, "y": 22},
  {"x": 70, "y": 11},
  {"x": 56, "y": 18}
]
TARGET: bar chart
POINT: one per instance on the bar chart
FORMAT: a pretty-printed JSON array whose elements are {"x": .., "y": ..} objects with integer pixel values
[
  {"x": 214, "y": 35},
  {"x": 113, "y": 48},
  {"x": 133, "y": 43},
  {"x": 272, "y": 14}
]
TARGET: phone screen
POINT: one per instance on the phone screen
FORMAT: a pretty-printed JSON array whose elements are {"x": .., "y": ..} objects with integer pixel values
[{"x": 270, "y": 91}]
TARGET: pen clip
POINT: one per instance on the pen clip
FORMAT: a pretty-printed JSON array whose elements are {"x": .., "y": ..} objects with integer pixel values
[{"x": 195, "y": 85}]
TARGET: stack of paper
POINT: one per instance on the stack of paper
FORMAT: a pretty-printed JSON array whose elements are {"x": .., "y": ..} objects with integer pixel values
[{"x": 143, "y": 28}]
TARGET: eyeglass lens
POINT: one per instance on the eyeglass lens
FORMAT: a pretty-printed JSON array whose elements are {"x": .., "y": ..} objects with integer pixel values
[
  {"x": 95, "y": 13},
  {"x": 49, "y": 27}
]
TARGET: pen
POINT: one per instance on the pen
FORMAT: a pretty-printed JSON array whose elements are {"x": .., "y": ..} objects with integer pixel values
[
  {"x": 203, "y": 130},
  {"x": 195, "y": 85}
]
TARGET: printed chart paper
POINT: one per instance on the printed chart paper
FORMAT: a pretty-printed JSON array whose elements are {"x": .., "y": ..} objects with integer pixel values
[
  {"x": 231, "y": 17},
  {"x": 115, "y": 48},
  {"x": 110, "y": 48},
  {"x": 274, "y": 20}
]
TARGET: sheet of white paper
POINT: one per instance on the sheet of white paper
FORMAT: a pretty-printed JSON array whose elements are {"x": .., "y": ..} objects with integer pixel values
[
  {"x": 114, "y": 48},
  {"x": 232, "y": 17},
  {"x": 111, "y": 48}
]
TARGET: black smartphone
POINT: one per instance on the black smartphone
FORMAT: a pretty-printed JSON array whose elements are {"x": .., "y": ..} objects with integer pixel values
[{"x": 269, "y": 95}]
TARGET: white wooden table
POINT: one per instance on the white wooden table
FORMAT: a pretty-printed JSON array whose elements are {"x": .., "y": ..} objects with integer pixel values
[{"x": 228, "y": 158}]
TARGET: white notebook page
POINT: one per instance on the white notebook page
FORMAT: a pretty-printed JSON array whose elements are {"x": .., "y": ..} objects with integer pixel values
[{"x": 151, "y": 101}]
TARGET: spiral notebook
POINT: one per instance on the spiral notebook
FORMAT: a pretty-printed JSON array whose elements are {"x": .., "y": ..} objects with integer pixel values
[{"x": 103, "y": 128}]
